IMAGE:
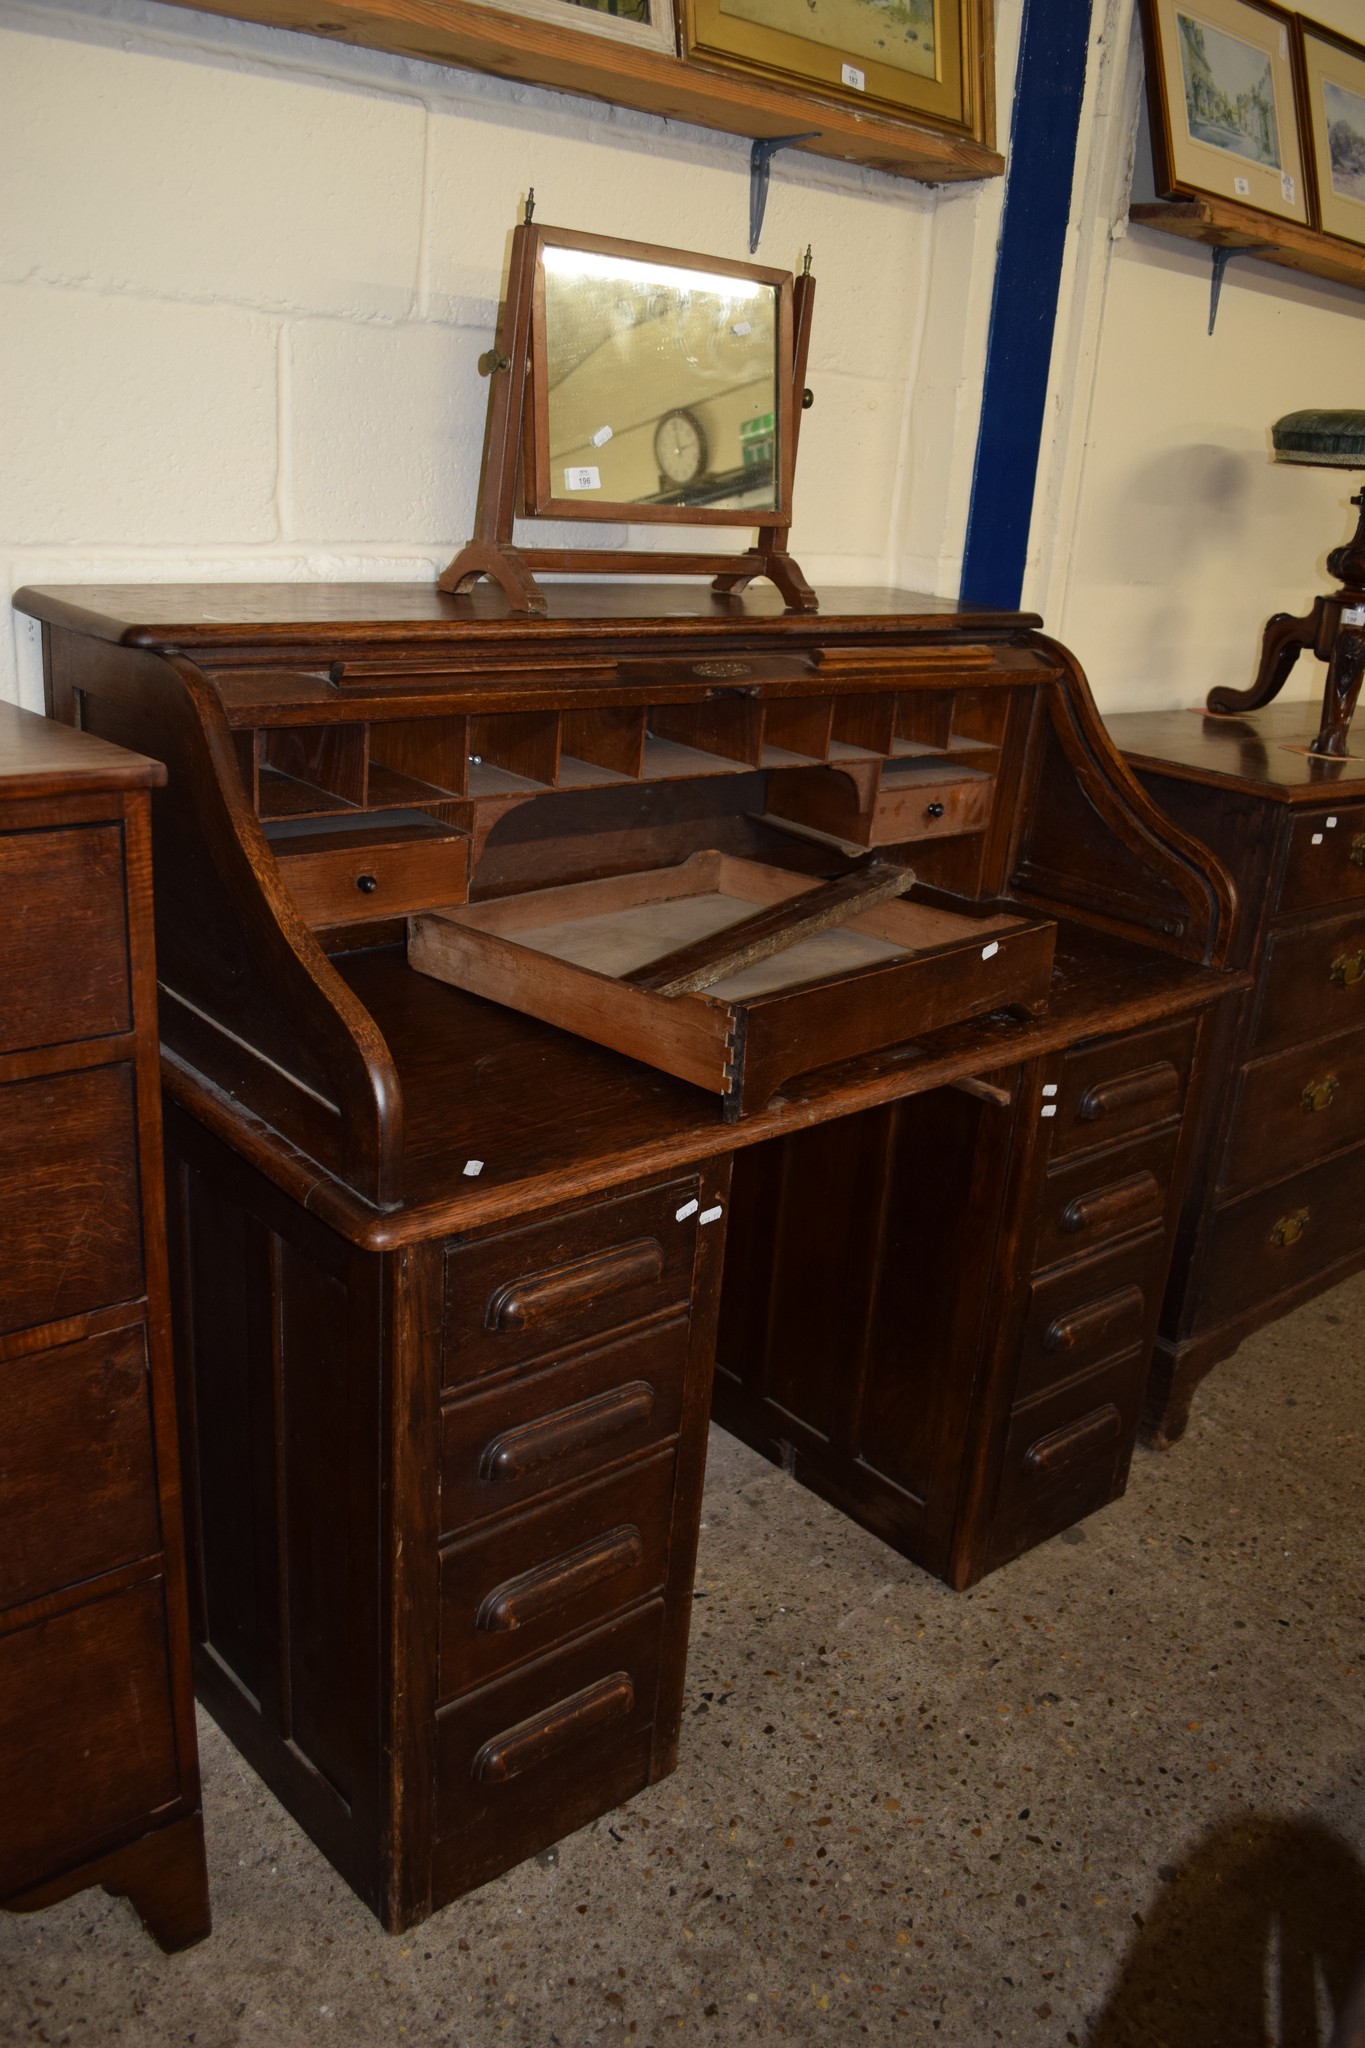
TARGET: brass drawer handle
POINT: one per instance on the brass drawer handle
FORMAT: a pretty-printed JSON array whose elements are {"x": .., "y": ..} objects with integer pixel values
[
  {"x": 1318, "y": 1094},
  {"x": 1143, "y": 1088},
  {"x": 1078, "y": 1440},
  {"x": 1347, "y": 969},
  {"x": 563, "y": 1726},
  {"x": 1290, "y": 1229},
  {"x": 1357, "y": 854},
  {"x": 539, "y": 1296},
  {"x": 521, "y": 1453},
  {"x": 546, "y": 1587}
]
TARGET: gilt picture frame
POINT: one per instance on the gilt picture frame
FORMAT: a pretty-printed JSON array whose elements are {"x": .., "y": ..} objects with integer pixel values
[
  {"x": 930, "y": 60},
  {"x": 649, "y": 24},
  {"x": 1332, "y": 109},
  {"x": 1222, "y": 89}
]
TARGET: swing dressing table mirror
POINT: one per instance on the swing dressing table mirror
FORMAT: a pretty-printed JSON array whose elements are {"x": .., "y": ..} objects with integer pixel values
[{"x": 636, "y": 384}]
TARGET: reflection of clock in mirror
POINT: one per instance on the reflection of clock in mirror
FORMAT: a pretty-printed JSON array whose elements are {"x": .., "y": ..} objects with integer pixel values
[{"x": 680, "y": 447}]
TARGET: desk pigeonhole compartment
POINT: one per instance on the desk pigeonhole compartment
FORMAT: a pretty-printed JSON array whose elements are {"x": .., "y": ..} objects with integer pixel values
[{"x": 885, "y": 974}]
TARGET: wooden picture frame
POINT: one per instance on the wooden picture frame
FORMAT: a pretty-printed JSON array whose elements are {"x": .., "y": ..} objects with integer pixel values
[
  {"x": 937, "y": 69},
  {"x": 1222, "y": 87},
  {"x": 1332, "y": 96},
  {"x": 657, "y": 31}
]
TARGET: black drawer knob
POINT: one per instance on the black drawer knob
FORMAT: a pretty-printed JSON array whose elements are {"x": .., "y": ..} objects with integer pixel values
[
  {"x": 367, "y": 884},
  {"x": 934, "y": 811}
]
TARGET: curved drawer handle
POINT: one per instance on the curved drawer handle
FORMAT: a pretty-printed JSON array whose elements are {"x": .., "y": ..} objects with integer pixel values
[
  {"x": 1064, "y": 1446},
  {"x": 546, "y": 1736},
  {"x": 541, "y": 1591},
  {"x": 521, "y": 1453},
  {"x": 1093, "y": 1321},
  {"x": 1109, "y": 1208},
  {"x": 1347, "y": 969},
  {"x": 1130, "y": 1091},
  {"x": 538, "y": 1297},
  {"x": 1357, "y": 853},
  {"x": 1289, "y": 1229},
  {"x": 1318, "y": 1094}
]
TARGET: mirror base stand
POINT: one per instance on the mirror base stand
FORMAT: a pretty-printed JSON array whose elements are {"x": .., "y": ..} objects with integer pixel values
[{"x": 513, "y": 569}]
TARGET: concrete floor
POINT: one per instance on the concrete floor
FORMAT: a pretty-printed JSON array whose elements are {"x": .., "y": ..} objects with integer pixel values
[{"x": 1115, "y": 1795}]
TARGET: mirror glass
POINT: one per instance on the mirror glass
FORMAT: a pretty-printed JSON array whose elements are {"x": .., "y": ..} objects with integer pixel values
[{"x": 660, "y": 384}]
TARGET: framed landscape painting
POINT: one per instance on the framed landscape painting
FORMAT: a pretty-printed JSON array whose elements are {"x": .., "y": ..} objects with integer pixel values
[
  {"x": 1220, "y": 78},
  {"x": 650, "y": 23},
  {"x": 930, "y": 59},
  {"x": 1334, "y": 130}
]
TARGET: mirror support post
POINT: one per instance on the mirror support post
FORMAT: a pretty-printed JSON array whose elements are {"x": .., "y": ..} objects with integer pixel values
[{"x": 769, "y": 557}]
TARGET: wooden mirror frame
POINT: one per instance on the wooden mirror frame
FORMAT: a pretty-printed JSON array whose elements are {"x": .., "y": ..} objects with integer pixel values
[{"x": 516, "y": 444}]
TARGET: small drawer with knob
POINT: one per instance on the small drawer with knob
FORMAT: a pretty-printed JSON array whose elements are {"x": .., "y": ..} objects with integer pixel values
[
  {"x": 1294, "y": 1108},
  {"x": 1326, "y": 859},
  {"x": 1312, "y": 983},
  {"x": 353, "y": 877}
]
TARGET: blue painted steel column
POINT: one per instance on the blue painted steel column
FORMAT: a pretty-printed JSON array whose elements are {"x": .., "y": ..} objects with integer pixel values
[{"x": 1049, "y": 86}]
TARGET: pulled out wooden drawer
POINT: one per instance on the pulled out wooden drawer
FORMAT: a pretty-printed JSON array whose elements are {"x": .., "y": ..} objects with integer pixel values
[
  {"x": 523, "y": 1762},
  {"x": 885, "y": 976},
  {"x": 530, "y": 1292},
  {"x": 513, "y": 1442},
  {"x": 522, "y": 1586}
]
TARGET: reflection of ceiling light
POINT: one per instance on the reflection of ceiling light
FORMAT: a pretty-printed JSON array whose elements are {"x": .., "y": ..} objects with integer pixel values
[{"x": 625, "y": 270}]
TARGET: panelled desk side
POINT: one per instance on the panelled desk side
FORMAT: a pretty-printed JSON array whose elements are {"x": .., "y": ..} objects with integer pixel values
[
  {"x": 99, "y": 1775},
  {"x": 1275, "y": 1211},
  {"x": 451, "y": 1283}
]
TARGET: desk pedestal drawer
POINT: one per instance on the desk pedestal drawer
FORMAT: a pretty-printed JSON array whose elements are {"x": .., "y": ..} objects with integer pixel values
[
  {"x": 1066, "y": 1455},
  {"x": 1104, "y": 1196},
  {"x": 524, "y": 1585},
  {"x": 529, "y": 1292},
  {"x": 529, "y": 1759},
  {"x": 547, "y": 1429},
  {"x": 1083, "y": 1315}
]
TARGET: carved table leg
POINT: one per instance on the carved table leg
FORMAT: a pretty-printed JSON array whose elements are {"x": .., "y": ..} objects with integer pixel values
[
  {"x": 1284, "y": 639},
  {"x": 1345, "y": 673}
]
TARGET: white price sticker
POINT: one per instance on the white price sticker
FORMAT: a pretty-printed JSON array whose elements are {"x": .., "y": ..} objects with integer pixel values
[
  {"x": 1353, "y": 615},
  {"x": 583, "y": 479},
  {"x": 989, "y": 952},
  {"x": 853, "y": 77},
  {"x": 1242, "y": 187},
  {"x": 601, "y": 437},
  {"x": 1287, "y": 187}
]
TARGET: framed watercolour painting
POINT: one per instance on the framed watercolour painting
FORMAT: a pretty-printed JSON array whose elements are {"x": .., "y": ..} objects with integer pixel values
[
  {"x": 929, "y": 59},
  {"x": 1220, "y": 78},
  {"x": 649, "y": 23},
  {"x": 1333, "y": 76}
]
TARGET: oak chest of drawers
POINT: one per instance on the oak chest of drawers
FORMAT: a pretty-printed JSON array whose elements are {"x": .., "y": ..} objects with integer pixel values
[
  {"x": 1276, "y": 1204},
  {"x": 98, "y": 1767}
]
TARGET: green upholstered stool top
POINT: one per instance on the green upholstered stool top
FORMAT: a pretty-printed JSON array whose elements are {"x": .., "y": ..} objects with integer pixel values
[{"x": 1335, "y": 440}]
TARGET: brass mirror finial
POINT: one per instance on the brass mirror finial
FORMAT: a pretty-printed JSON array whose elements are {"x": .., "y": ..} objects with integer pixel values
[
  {"x": 805, "y": 265},
  {"x": 530, "y": 205}
]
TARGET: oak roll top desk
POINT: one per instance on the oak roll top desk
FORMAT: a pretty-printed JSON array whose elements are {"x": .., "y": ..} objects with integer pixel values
[{"x": 450, "y": 1280}]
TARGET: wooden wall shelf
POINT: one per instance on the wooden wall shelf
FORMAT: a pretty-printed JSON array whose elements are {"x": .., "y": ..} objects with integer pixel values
[
  {"x": 566, "y": 60},
  {"x": 1223, "y": 224}
]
